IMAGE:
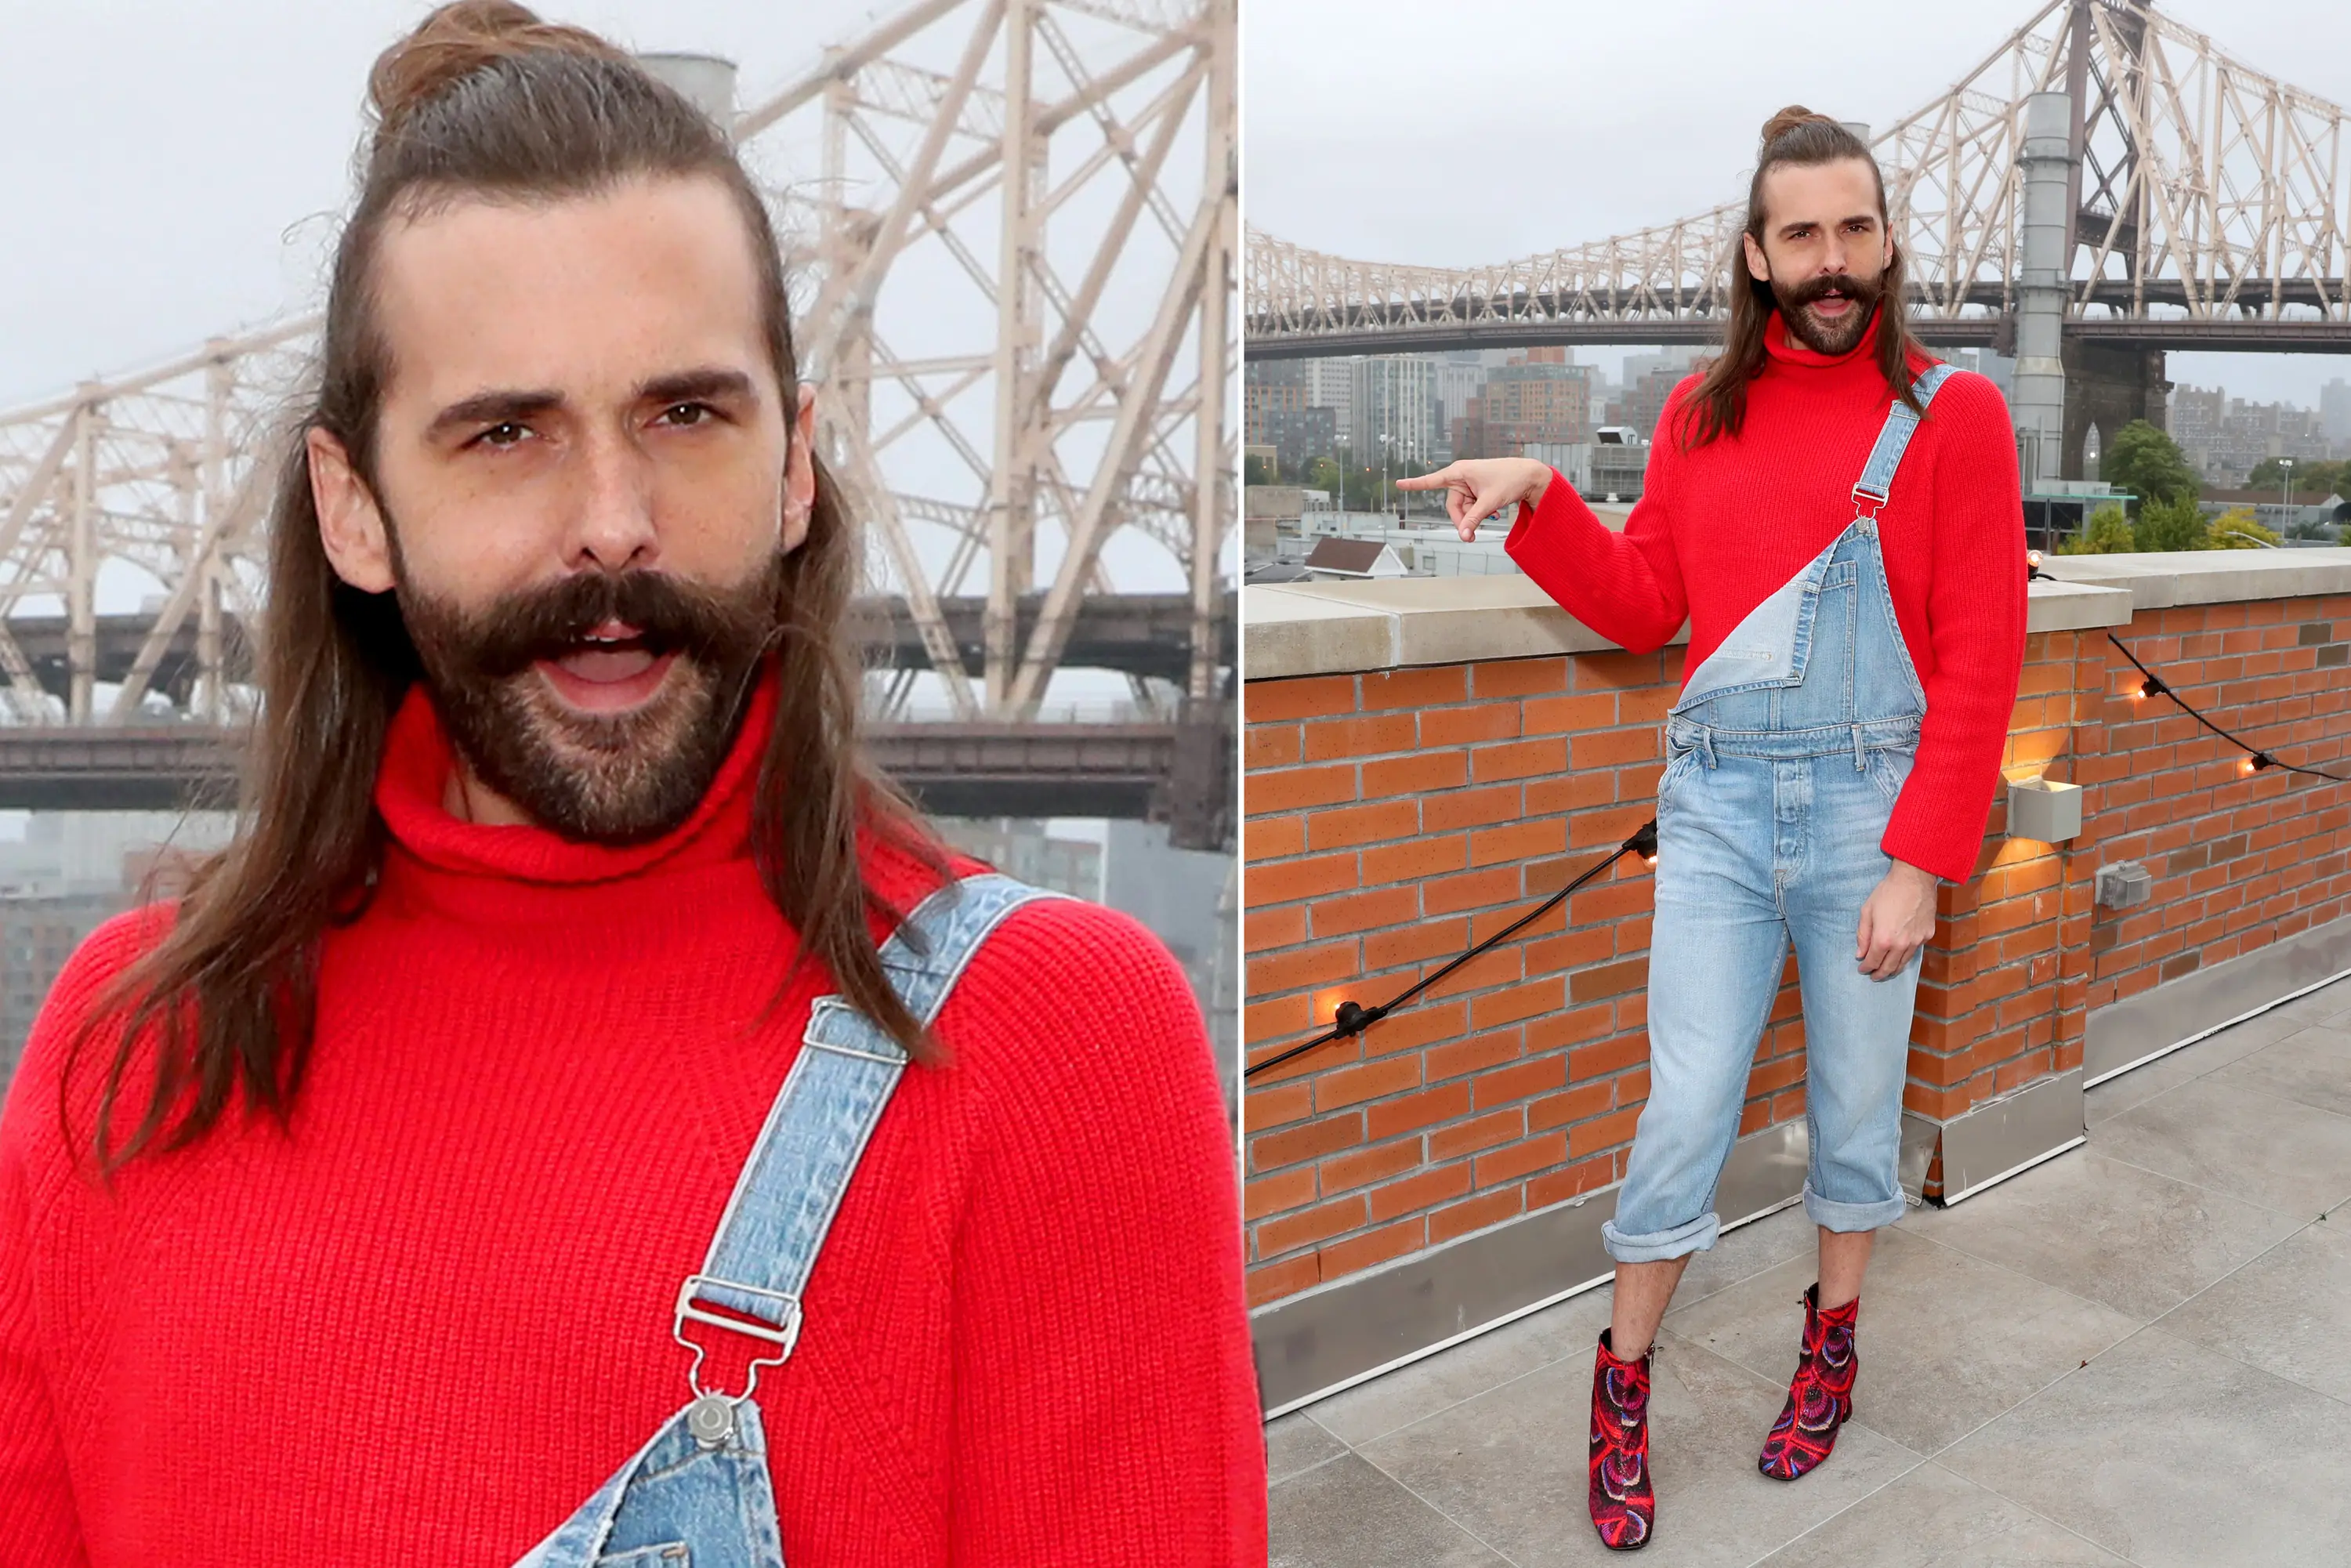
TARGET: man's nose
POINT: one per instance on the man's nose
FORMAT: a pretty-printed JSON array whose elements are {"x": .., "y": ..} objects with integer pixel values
[{"x": 612, "y": 512}]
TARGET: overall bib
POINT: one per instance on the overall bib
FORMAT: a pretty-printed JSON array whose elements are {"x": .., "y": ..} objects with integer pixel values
[
  {"x": 1784, "y": 755},
  {"x": 697, "y": 1494}
]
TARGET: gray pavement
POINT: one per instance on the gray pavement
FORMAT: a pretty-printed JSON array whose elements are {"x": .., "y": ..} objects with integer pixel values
[{"x": 2136, "y": 1353}]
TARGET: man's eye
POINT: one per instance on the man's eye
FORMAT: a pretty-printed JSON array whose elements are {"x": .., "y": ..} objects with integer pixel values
[
  {"x": 503, "y": 434},
  {"x": 686, "y": 413}
]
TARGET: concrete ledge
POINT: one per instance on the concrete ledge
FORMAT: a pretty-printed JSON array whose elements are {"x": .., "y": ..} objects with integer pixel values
[
  {"x": 1343, "y": 628},
  {"x": 1333, "y": 1336},
  {"x": 2158, "y": 580},
  {"x": 2158, "y": 1021}
]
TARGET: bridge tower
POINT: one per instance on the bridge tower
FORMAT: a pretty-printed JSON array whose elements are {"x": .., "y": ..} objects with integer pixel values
[{"x": 2105, "y": 385}]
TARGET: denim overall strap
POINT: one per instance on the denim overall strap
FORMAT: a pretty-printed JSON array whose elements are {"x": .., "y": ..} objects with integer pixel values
[
  {"x": 790, "y": 1188},
  {"x": 1769, "y": 648},
  {"x": 698, "y": 1490},
  {"x": 1877, "y": 481}
]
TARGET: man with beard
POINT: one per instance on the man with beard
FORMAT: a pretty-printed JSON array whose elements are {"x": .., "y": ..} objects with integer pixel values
[
  {"x": 1856, "y": 642},
  {"x": 362, "y": 1205}
]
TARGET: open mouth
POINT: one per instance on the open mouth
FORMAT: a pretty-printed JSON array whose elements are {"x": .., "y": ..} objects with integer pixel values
[{"x": 615, "y": 667}]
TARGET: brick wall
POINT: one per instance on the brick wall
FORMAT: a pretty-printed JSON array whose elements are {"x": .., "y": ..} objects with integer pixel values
[
  {"x": 1393, "y": 818},
  {"x": 2240, "y": 858}
]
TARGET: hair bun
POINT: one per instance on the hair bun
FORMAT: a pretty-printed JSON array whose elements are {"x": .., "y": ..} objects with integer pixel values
[
  {"x": 458, "y": 39},
  {"x": 1790, "y": 118}
]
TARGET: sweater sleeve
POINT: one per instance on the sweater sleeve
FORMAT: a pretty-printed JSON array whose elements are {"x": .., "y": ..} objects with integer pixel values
[
  {"x": 39, "y": 1518},
  {"x": 1975, "y": 626},
  {"x": 1627, "y": 587},
  {"x": 37, "y": 1505},
  {"x": 1105, "y": 1399}
]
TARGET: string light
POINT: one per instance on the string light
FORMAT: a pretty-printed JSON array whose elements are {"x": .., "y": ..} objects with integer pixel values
[
  {"x": 2254, "y": 760},
  {"x": 1353, "y": 1018}
]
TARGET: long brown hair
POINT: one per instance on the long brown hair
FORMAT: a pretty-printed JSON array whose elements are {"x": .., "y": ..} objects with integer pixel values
[
  {"x": 482, "y": 98},
  {"x": 1719, "y": 407}
]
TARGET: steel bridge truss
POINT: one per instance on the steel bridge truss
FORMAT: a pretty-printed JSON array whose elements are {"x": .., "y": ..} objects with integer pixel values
[
  {"x": 1024, "y": 168},
  {"x": 2207, "y": 193}
]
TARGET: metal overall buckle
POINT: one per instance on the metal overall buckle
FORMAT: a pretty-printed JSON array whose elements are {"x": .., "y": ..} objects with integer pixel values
[
  {"x": 711, "y": 1416},
  {"x": 1865, "y": 506}
]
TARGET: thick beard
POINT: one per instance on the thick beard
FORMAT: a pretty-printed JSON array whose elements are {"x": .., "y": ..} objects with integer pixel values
[
  {"x": 604, "y": 778},
  {"x": 1829, "y": 338}
]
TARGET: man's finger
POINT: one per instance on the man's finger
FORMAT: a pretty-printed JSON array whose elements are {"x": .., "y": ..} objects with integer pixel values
[{"x": 1428, "y": 481}]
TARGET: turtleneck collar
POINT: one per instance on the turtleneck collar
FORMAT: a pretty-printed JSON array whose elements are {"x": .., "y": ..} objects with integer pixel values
[
  {"x": 1785, "y": 350},
  {"x": 410, "y": 794}
]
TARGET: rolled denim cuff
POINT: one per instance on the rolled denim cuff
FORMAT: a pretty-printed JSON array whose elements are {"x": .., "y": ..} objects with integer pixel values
[
  {"x": 1660, "y": 1246},
  {"x": 1831, "y": 1215}
]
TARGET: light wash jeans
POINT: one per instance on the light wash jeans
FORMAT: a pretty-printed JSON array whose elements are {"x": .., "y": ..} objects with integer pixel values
[{"x": 1784, "y": 755}]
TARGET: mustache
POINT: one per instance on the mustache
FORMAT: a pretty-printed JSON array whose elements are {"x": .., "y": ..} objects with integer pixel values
[
  {"x": 1861, "y": 291},
  {"x": 668, "y": 615}
]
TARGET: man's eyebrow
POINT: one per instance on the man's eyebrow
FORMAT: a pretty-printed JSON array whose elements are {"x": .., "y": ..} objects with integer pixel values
[
  {"x": 687, "y": 386},
  {"x": 1795, "y": 224},
  {"x": 492, "y": 408}
]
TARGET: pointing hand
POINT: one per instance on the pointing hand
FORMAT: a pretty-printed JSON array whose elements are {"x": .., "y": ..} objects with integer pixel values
[{"x": 1477, "y": 487}]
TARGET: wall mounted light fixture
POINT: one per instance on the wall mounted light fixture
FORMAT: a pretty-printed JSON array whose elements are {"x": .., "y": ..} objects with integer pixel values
[{"x": 2044, "y": 809}]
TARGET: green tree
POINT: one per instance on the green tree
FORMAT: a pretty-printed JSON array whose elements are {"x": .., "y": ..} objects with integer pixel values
[
  {"x": 1258, "y": 470},
  {"x": 2171, "y": 523},
  {"x": 2237, "y": 529},
  {"x": 2148, "y": 463},
  {"x": 2312, "y": 480},
  {"x": 2108, "y": 532}
]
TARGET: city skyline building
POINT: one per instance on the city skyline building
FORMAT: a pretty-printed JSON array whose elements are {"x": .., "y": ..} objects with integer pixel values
[
  {"x": 1538, "y": 399},
  {"x": 2334, "y": 409},
  {"x": 1395, "y": 410}
]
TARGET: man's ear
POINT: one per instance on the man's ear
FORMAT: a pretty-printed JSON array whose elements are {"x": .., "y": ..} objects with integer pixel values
[
  {"x": 799, "y": 470},
  {"x": 1756, "y": 266},
  {"x": 350, "y": 524}
]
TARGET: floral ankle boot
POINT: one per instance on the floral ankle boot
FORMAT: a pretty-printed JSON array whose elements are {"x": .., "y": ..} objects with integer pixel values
[
  {"x": 1820, "y": 1398},
  {"x": 1624, "y": 1503}
]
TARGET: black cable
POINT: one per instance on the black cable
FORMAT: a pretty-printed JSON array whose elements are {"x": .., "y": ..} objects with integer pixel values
[
  {"x": 2154, "y": 685},
  {"x": 1353, "y": 1018}
]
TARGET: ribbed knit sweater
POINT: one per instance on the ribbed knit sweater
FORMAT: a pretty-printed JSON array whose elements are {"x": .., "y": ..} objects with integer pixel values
[
  {"x": 428, "y": 1323},
  {"x": 1717, "y": 529}
]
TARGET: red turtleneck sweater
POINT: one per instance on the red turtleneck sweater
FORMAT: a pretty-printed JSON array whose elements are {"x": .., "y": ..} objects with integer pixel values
[
  {"x": 428, "y": 1324},
  {"x": 1717, "y": 529}
]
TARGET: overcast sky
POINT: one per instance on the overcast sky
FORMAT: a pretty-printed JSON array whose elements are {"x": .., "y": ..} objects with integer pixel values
[
  {"x": 1476, "y": 130},
  {"x": 170, "y": 169}
]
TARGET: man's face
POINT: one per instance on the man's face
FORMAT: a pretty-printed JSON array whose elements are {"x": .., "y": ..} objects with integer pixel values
[
  {"x": 1824, "y": 252},
  {"x": 587, "y": 483}
]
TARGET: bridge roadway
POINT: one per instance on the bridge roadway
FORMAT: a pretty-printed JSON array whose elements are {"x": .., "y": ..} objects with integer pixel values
[
  {"x": 1425, "y": 326},
  {"x": 1134, "y": 633},
  {"x": 1179, "y": 772}
]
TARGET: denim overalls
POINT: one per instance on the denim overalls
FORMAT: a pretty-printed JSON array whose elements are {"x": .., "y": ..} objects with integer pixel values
[
  {"x": 1785, "y": 753},
  {"x": 698, "y": 1494}
]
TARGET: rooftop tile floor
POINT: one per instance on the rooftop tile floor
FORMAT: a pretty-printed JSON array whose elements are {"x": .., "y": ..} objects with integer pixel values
[{"x": 2138, "y": 1353}]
